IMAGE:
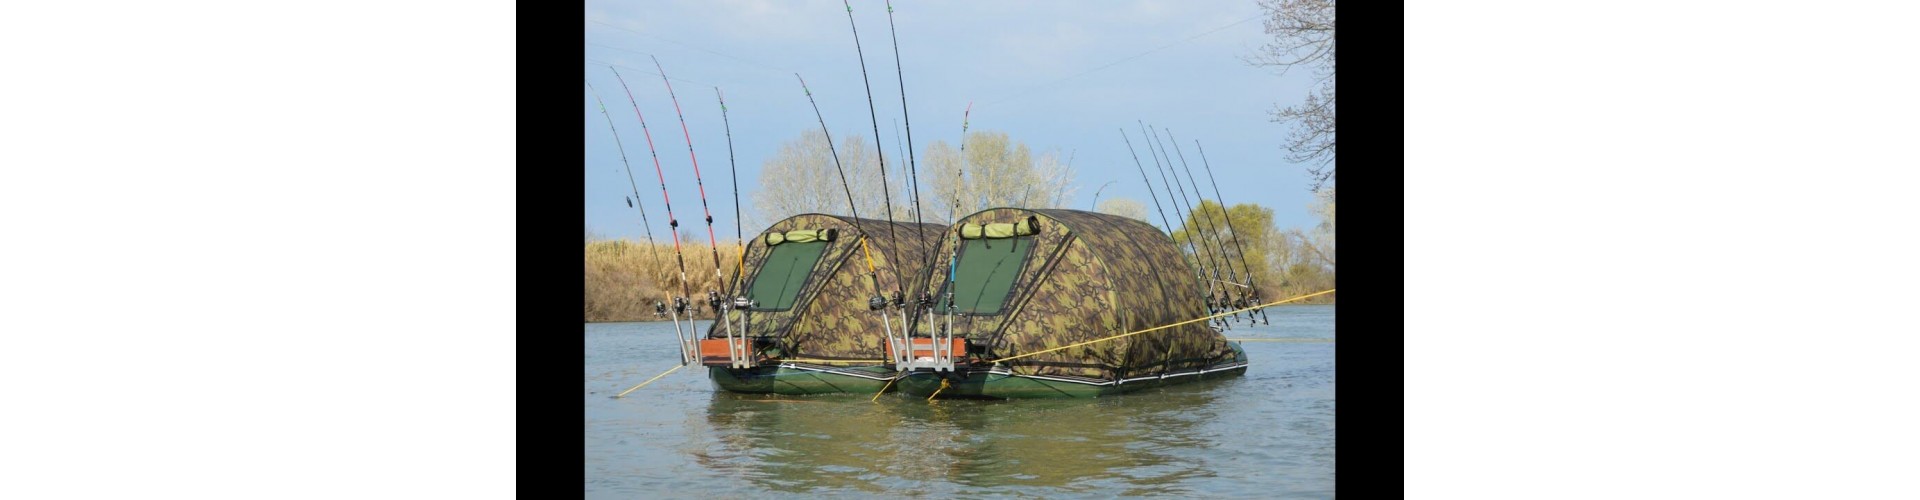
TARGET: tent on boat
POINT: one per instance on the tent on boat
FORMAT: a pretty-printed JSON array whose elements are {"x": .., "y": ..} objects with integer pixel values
[
  {"x": 1012, "y": 282},
  {"x": 806, "y": 324}
]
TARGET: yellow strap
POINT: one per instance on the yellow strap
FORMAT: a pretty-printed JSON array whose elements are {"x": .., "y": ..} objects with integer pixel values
[
  {"x": 1195, "y": 320},
  {"x": 649, "y": 381},
  {"x": 863, "y": 247}
]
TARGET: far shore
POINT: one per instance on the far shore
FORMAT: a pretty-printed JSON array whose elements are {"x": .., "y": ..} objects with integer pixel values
[{"x": 651, "y": 320}]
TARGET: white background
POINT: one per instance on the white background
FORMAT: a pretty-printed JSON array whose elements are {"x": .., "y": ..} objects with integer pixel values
[
  {"x": 257, "y": 249},
  {"x": 1662, "y": 250}
]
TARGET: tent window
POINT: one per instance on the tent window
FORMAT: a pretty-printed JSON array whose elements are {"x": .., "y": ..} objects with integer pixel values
[
  {"x": 778, "y": 282},
  {"x": 988, "y": 269}
]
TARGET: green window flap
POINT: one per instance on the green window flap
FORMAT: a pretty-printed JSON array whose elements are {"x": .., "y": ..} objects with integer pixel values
[
  {"x": 987, "y": 270},
  {"x": 776, "y": 285}
]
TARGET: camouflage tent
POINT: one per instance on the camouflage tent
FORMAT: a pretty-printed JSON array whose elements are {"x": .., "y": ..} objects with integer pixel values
[
  {"x": 1028, "y": 280},
  {"x": 807, "y": 276}
]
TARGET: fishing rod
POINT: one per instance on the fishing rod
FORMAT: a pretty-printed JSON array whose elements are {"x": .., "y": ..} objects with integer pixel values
[
  {"x": 1200, "y": 266},
  {"x": 1143, "y": 178},
  {"x": 1213, "y": 303},
  {"x": 713, "y": 297},
  {"x": 960, "y": 176},
  {"x": 1253, "y": 285},
  {"x": 1206, "y": 224},
  {"x": 878, "y": 301},
  {"x": 734, "y": 300},
  {"x": 653, "y": 253},
  {"x": 648, "y": 226},
  {"x": 953, "y": 250},
  {"x": 673, "y": 227},
  {"x": 913, "y": 165},
  {"x": 879, "y": 151},
  {"x": 739, "y": 233}
]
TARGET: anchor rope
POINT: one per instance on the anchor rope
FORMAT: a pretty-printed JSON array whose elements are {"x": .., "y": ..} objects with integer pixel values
[
  {"x": 936, "y": 392},
  {"x": 1163, "y": 327},
  {"x": 883, "y": 389},
  {"x": 649, "y": 381}
]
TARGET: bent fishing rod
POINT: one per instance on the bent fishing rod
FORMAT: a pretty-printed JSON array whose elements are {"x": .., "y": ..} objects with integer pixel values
[
  {"x": 739, "y": 233},
  {"x": 1252, "y": 285},
  {"x": 1207, "y": 225},
  {"x": 673, "y": 227},
  {"x": 654, "y": 253},
  {"x": 713, "y": 296}
]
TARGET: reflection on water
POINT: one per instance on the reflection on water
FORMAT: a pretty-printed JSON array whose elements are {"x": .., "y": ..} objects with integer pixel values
[{"x": 1269, "y": 433}]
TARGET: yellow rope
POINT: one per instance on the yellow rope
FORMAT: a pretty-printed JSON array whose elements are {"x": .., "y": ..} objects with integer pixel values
[
  {"x": 649, "y": 381},
  {"x": 883, "y": 390},
  {"x": 1195, "y": 320},
  {"x": 936, "y": 392}
]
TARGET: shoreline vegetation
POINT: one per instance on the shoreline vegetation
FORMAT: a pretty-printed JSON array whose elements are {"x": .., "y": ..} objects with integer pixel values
[{"x": 625, "y": 278}]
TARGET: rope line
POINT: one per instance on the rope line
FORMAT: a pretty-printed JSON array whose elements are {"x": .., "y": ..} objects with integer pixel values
[
  {"x": 649, "y": 381},
  {"x": 883, "y": 389},
  {"x": 1157, "y": 328},
  {"x": 936, "y": 392}
]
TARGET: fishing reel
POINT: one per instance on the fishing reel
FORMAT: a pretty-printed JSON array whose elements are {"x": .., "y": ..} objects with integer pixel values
[
  {"x": 925, "y": 301},
  {"x": 713, "y": 300},
  {"x": 659, "y": 309},
  {"x": 876, "y": 303},
  {"x": 742, "y": 302},
  {"x": 679, "y": 305},
  {"x": 899, "y": 299}
]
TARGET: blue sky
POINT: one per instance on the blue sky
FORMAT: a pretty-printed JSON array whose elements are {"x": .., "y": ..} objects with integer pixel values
[{"x": 1059, "y": 76}]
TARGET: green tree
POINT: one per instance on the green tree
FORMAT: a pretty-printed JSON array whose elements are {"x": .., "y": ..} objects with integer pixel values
[{"x": 1237, "y": 238}]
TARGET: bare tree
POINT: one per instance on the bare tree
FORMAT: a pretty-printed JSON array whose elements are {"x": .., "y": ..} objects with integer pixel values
[
  {"x": 1303, "y": 38},
  {"x": 801, "y": 178},
  {"x": 1124, "y": 207},
  {"x": 998, "y": 172}
]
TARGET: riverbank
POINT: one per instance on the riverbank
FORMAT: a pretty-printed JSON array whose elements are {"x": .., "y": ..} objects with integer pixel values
[{"x": 624, "y": 279}]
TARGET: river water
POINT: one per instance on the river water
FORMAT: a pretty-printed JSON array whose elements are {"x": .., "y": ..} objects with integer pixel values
[{"x": 1268, "y": 434}]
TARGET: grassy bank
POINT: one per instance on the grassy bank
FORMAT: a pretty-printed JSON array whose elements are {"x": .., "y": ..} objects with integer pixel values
[{"x": 624, "y": 278}]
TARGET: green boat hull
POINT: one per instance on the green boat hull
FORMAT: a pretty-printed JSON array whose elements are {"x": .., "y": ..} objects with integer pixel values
[
  {"x": 795, "y": 379},
  {"x": 998, "y": 384}
]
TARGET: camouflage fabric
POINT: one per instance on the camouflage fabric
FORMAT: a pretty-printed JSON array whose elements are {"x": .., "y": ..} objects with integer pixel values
[
  {"x": 830, "y": 318},
  {"x": 1090, "y": 276}
]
